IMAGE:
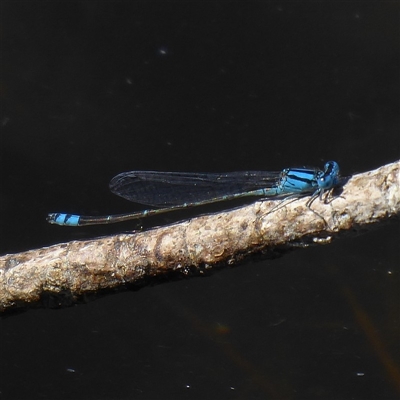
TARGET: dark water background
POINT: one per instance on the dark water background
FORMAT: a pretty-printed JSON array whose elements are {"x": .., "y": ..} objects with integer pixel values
[{"x": 90, "y": 89}]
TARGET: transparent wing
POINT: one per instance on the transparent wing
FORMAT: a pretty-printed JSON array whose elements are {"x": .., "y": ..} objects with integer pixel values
[{"x": 165, "y": 189}]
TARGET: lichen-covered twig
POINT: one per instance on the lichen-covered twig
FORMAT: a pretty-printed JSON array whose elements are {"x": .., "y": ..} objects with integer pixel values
[{"x": 67, "y": 272}]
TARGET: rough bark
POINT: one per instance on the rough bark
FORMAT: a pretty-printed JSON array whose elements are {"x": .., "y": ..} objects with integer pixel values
[{"x": 66, "y": 272}]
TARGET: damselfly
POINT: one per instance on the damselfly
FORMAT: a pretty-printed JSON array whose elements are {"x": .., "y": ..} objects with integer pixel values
[{"x": 178, "y": 190}]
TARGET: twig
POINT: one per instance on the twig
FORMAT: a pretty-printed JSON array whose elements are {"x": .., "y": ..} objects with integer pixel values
[{"x": 69, "y": 271}]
